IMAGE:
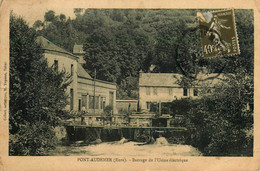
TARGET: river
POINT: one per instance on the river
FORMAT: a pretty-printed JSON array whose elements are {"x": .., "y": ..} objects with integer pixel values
[{"x": 124, "y": 148}]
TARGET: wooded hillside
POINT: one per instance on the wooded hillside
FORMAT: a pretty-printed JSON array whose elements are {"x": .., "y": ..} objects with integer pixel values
[{"x": 121, "y": 42}]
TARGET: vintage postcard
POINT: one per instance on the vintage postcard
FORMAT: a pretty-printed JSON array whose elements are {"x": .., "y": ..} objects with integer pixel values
[{"x": 116, "y": 85}]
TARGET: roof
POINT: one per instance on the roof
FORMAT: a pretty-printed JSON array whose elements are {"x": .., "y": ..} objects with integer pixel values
[
  {"x": 159, "y": 79},
  {"x": 82, "y": 73},
  {"x": 48, "y": 45},
  {"x": 210, "y": 79},
  {"x": 171, "y": 79},
  {"x": 78, "y": 49}
]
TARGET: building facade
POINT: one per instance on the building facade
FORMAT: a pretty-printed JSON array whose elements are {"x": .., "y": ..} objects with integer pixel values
[
  {"x": 85, "y": 93},
  {"x": 157, "y": 88}
]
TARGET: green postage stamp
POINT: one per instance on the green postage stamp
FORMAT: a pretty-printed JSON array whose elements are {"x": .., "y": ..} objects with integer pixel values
[{"x": 218, "y": 33}]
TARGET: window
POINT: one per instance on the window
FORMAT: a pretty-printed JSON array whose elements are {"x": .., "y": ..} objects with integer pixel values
[
  {"x": 154, "y": 107},
  {"x": 170, "y": 91},
  {"x": 147, "y": 90},
  {"x": 111, "y": 98},
  {"x": 185, "y": 92},
  {"x": 155, "y": 91},
  {"x": 91, "y": 102},
  {"x": 56, "y": 65},
  {"x": 79, "y": 105},
  {"x": 148, "y": 105},
  {"x": 84, "y": 101},
  {"x": 71, "y": 69},
  {"x": 97, "y": 102},
  {"x": 71, "y": 99},
  {"x": 101, "y": 103},
  {"x": 195, "y": 92}
]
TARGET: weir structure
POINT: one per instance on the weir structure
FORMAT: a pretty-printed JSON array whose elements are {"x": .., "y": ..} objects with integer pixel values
[
  {"x": 140, "y": 127},
  {"x": 88, "y": 134}
]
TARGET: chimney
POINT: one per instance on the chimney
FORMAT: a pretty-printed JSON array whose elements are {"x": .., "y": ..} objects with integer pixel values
[{"x": 140, "y": 73}]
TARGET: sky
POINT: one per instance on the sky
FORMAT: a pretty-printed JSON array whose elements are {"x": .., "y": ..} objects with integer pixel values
[{"x": 33, "y": 14}]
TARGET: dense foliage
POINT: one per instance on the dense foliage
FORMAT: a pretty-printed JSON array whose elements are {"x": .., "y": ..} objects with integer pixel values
[
  {"x": 223, "y": 120},
  {"x": 37, "y": 93},
  {"x": 120, "y": 43}
]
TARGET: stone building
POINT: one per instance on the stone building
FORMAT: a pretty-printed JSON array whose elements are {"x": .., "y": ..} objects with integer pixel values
[
  {"x": 157, "y": 88},
  {"x": 84, "y": 91}
]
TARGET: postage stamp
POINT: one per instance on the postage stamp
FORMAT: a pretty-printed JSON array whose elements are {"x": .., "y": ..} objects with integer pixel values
[{"x": 218, "y": 33}]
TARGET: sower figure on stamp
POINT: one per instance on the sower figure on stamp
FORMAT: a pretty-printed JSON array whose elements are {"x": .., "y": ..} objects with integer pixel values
[{"x": 214, "y": 33}]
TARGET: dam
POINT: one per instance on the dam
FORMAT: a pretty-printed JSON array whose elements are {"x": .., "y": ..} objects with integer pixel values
[
  {"x": 115, "y": 133},
  {"x": 113, "y": 140}
]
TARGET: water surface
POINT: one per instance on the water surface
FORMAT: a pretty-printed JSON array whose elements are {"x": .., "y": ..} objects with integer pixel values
[{"x": 118, "y": 148}]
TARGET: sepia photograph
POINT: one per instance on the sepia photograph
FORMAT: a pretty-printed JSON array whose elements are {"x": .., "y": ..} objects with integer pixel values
[
  {"x": 152, "y": 81},
  {"x": 135, "y": 87}
]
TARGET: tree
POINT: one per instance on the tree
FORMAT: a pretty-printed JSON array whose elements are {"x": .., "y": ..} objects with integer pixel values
[
  {"x": 119, "y": 43},
  {"x": 223, "y": 119},
  {"x": 62, "y": 17},
  {"x": 38, "y": 24},
  {"x": 37, "y": 93},
  {"x": 78, "y": 11},
  {"x": 49, "y": 16},
  {"x": 223, "y": 116}
]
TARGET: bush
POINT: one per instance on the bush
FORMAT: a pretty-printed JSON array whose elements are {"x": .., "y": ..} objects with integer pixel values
[
  {"x": 219, "y": 130},
  {"x": 32, "y": 140},
  {"x": 219, "y": 123}
]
